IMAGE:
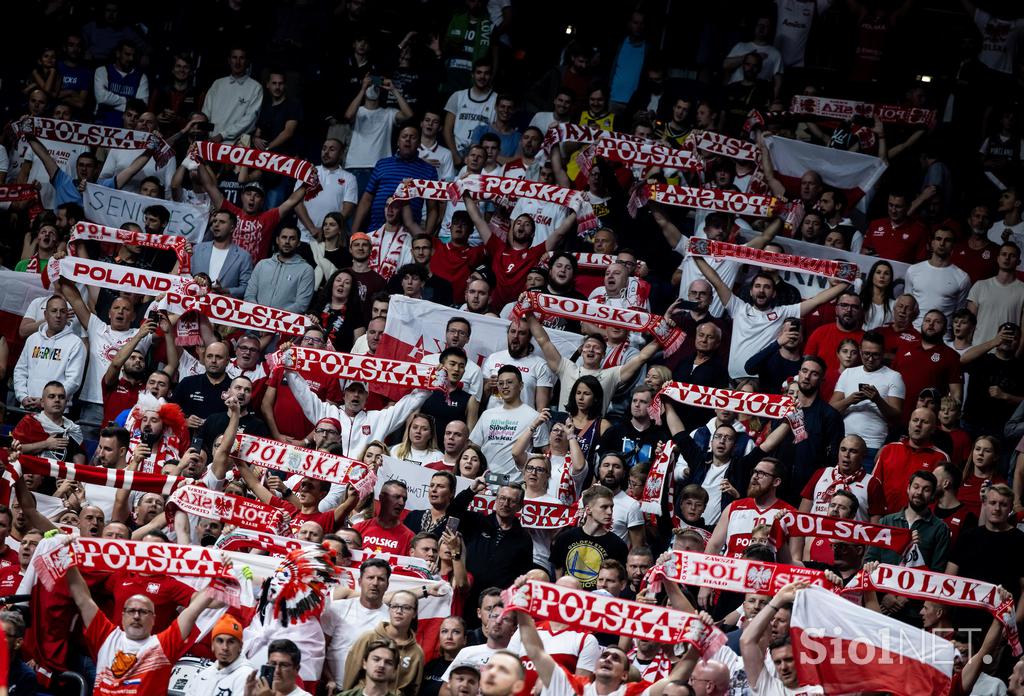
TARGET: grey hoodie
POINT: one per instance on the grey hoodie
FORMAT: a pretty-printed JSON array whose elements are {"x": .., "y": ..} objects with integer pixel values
[{"x": 283, "y": 283}]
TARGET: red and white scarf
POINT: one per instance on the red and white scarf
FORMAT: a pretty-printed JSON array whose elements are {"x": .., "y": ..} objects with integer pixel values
[
  {"x": 806, "y": 524},
  {"x": 846, "y": 109},
  {"x": 14, "y": 193},
  {"x": 723, "y": 145},
  {"x": 771, "y": 406},
  {"x": 826, "y": 268},
  {"x": 102, "y": 476},
  {"x": 301, "y": 461},
  {"x": 113, "y": 235},
  {"x": 264, "y": 160},
  {"x": 360, "y": 368},
  {"x": 536, "y": 514},
  {"x": 386, "y": 250},
  {"x": 651, "y": 153},
  {"x": 733, "y": 574},
  {"x": 657, "y": 479},
  {"x": 670, "y": 337},
  {"x": 916, "y": 583},
  {"x": 571, "y": 133},
  {"x": 247, "y": 540},
  {"x": 593, "y": 613},
  {"x": 240, "y": 314},
  {"x": 118, "y": 278},
  {"x": 505, "y": 190},
  {"x": 428, "y": 189},
  {"x": 715, "y": 200},
  {"x": 229, "y": 509},
  {"x": 94, "y": 136},
  {"x": 594, "y": 262}
]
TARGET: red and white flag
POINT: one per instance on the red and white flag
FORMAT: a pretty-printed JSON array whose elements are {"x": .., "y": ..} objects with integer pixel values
[
  {"x": 853, "y": 172},
  {"x": 838, "y": 644}
]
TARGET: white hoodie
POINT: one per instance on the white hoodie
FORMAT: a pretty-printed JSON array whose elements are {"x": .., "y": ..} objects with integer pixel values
[
  {"x": 229, "y": 681},
  {"x": 45, "y": 358}
]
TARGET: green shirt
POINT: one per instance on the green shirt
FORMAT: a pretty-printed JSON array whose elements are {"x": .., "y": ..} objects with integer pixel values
[{"x": 934, "y": 540}]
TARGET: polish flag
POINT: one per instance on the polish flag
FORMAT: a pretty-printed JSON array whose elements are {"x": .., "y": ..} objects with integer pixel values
[
  {"x": 416, "y": 328},
  {"x": 19, "y": 290},
  {"x": 837, "y": 644},
  {"x": 853, "y": 172}
]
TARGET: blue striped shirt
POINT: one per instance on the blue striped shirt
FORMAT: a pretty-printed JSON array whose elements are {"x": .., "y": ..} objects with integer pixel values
[{"x": 385, "y": 178}]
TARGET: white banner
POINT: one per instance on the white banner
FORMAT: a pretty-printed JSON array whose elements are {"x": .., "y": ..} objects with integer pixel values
[
  {"x": 415, "y": 477},
  {"x": 113, "y": 208}
]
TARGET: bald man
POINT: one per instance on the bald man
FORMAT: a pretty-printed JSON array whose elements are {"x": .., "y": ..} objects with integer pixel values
[
  {"x": 311, "y": 531},
  {"x": 897, "y": 461},
  {"x": 710, "y": 678},
  {"x": 200, "y": 395}
]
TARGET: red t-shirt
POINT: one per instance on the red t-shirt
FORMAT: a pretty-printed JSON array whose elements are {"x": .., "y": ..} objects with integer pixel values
[
  {"x": 923, "y": 367},
  {"x": 510, "y": 267},
  {"x": 396, "y": 539},
  {"x": 976, "y": 263},
  {"x": 133, "y": 668},
  {"x": 896, "y": 463},
  {"x": 453, "y": 263},
  {"x": 166, "y": 593},
  {"x": 324, "y": 519},
  {"x": 896, "y": 341},
  {"x": 287, "y": 413},
  {"x": 903, "y": 243},
  {"x": 970, "y": 492},
  {"x": 119, "y": 397},
  {"x": 825, "y": 340},
  {"x": 253, "y": 232}
]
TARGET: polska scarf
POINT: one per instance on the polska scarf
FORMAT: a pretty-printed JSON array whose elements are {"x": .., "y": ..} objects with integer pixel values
[
  {"x": 301, "y": 461},
  {"x": 771, "y": 406},
  {"x": 732, "y": 574},
  {"x": 14, "y": 193},
  {"x": 646, "y": 154},
  {"x": 669, "y": 337},
  {"x": 806, "y": 524},
  {"x": 229, "y": 509},
  {"x": 723, "y": 145},
  {"x": 657, "y": 478},
  {"x": 535, "y": 514},
  {"x": 264, "y": 160},
  {"x": 846, "y": 109},
  {"x": 916, "y": 583},
  {"x": 594, "y": 613},
  {"x": 230, "y": 311},
  {"x": 113, "y": 235},
  {"x": 102, "y": 476},
  {"x": 94, "y": 136},
  {"x": 386, "y": 250},
  {"x": 714, "y": 200},
  {"x": 826, "y": 268},
  {"x": 360, "y": 368},
  {"x": 505, "y": 190}
]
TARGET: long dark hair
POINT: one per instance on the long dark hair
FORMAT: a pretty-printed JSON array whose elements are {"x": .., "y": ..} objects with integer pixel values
[
  {"x": 867, "y": 290},
  {"x": 598, "y": 403},
  {"x": 323, "y": 297}
]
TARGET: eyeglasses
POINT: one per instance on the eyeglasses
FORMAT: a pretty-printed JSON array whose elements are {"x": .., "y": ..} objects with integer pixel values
[
  {"x": 508, "y": 500},
  {"x": 326, "y": 431},
  {"x": 535, "y": 470},
  {"x": 757, "y": 473},
  {"x": 139, "y": 612},
  {"x": 402, "y": 607},
  {"x": 723, "y": 437}
]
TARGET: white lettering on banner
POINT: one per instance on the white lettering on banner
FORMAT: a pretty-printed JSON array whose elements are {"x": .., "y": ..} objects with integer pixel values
[
  {"x": 113, "y": 208},
  {"x": 142, "y": 557},
  {"x": 305, "y": 462}
]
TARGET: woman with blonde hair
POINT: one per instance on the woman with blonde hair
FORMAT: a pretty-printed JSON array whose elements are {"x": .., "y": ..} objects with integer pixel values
[
  {"x": 372, "y": 456},
  {"x": 419, "y": 443}
]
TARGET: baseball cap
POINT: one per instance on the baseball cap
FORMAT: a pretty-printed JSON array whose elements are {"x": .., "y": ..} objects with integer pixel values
[
  {"x": 254, "y": 186},
  {"x": 930, "y": 393},
  {"x": 357, "y": 386},
  {"x": 333, "y": 422},
  {"x": 465, "y": 664},
  {"x": 359, "y": 235}
]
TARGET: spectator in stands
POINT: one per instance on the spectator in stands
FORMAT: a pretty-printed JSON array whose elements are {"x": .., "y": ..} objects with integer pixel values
[
  {"x": 54, "y": 353},
  {"x": 233, "y": 102},
  {"x": 228, "y": 265},
  {"x": 117, "y": 83},
  {"x": 284, "y": 280}
]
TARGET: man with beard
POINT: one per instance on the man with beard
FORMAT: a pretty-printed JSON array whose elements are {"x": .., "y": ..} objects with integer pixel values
[
  {"x": 999, "y": 298},
  {"x": 705, "y": 368},
  {"x": 777, "y": 362},
  {"x": 284, "y": 280},
  {"x": 637, "y": 436},
  {"x": 512, "y": 259},
  {"x": 627, "y": 520},
  {"x": 929, "y": 363},
  {"x": 227, "y": 676},
  {"x": 48, "y": 433},
  {"x": 914, "y": 452},
  {"x": 823, "y": 424},
  {"x": 755, "y": 325},
  {"x": 976, "y": 254},
  {"x": 478, "y": 297},
  {"x": 457, "y": 333},
  {"x": 933, "y": 535},
  {"x": 338, "y": 192},
  {"x": 537, "y": 377},
  {"x": 380, "y": 661},
  {"x": 937, "y": 283},
  {"x": 824, "y": 341},
  {"x": 344, "y": 620},
  {"x": 123, "y": 380},
  {"x": 592, "y": 355},
  {"x": 228, "y": 265},
  {"x": 898, "y": 237},
  {"x": 848, "y": 475},
  {"x": 241, "y": 389}
]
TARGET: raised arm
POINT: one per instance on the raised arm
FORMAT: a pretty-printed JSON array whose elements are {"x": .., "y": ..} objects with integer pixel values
[
  {"x": 209, "y": 184},
  {"x": 522, "y": 444},
  {"x": 543, "y": 663},
  {"x": 113, "y": 372},
  {"x": 126, "y": 174},
  {"x": 262, "y": 493},
  {"x": 812, "y": 303},
  {"x": 750, "y": 638},
  {"x": 477, "y": 217},
  {"x": 293, "y": 200},
  {"x": 629, "y": 368},
  {"x": 668, "y": 228},
  {"x": 80, "y": 593},
  {"x": 765, "y": 238},
  {"x": 777, "y": 187},
  {"x": 26, "y": 499},
  {"x": 540, "y": 334},
  {"x": 556, "y": 237},
  {"x": 74, "y": 298},
  {"x": 186, "y": 620},
  {"x": 353, "y": 106},
  {"x": 43, "y": 155},
  {"x": 221, "y": 456},
  {"x": 723, "y": 290}
]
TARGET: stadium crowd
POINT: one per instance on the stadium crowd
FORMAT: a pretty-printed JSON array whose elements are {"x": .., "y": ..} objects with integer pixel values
[{"x": 373, "y": 407}]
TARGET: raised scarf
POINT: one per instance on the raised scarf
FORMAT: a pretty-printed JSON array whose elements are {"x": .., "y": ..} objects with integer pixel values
[
  {"x": 13, "y": 193},
  {"x": 94, "y": 136},
  {"x": 323, "y": 466},
  {"x": 669, "y": 337},
  {"x": 733, "y": 574},
  {"x": 535, "y": 514},
  {"x": 771, "y": 406},
  {"x": 113, "y": 235},
  {"x": 807, "y": 524},
  {"x": 229, "y": 509},
  {"x": 240, "y": 314},
  {"x": 714, "y": 200},
  {"x": 505, "y": 190},
  {"x": 723, "y": 145},
  {"x": 826, "y": 268},
  {"x": 384, "y": 258},
  {"x": 101, "y": 476},
  {"x": 360, "y": 368},
  {"x": 657, "y": 478},
  {"x": 276, "y": 163},
  {"x": 651, "y": 153},
  {"x": 846, "y": 109}
]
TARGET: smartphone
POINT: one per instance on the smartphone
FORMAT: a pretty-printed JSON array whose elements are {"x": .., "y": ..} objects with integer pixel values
[
  {"x": 495, "y": 480},
  {"x": 558, "y": 416},
  {"x": 862, "y": 386},
  {"x": 204, "y": 127},
  {"x": 267, "y": 673},
  {"x": 376, "y": 80},
  {"x": 148, "y": 438},
  {"x": 452, "y": 525}
]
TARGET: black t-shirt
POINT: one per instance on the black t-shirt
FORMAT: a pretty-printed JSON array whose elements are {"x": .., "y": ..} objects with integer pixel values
[
  {"x": 637, "y": 445},
  {"x": 432, "y": 673},
  {"x": 250, "y": 423},
  {"x": 989, "y": 371},
  {"x": 445, "y": 408},
  {"x": 995, "y": 557},
  {"x": 198, "y": 397},
  {"x": 581, "y": 554},
  {"x": 273, "y": 119}
]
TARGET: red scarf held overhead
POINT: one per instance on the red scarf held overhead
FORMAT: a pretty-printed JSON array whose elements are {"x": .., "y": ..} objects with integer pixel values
[
  {"x": 588, "y": 135},
  {"x": 826, "y": 268},
  {"x": 715, "y": 200},
  {"x": 719, "y": 144},
  {"x": 319, "y": 363},
  {"x": 229, "y": 509},
  {"x": 292, "y": 167},
  {"x": 14, "y": 193},
  {"x": 505, "y": 191},
  {"x": 231, "y": 311},
  {"x": 647, "y": 154},
  {"x": 771, "y": 406},
  {"x": 94, "y": 136},
  {"x": 806, "y": 524},
  {"x": 916, "y": 583},
  {"x": 593, "y": 613},
  {"x": 670, "y": 337},
  {"x": 323, "y": 466},
  {"x": 113, "y": 235},
  {"x": 102, "y": 476},
  {"x": 733, "y": 574},
  {"x": 846, "y": 109}
]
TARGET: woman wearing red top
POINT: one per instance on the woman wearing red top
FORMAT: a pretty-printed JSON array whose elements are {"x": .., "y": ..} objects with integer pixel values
[
  {"x": 453, "y": 569},
  {"x": 980, "y": 473}
]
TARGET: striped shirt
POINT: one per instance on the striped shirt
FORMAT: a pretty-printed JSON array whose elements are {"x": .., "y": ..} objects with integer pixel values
[{"x": 386, "y": 177}]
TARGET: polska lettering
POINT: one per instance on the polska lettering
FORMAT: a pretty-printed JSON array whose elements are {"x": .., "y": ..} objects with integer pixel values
[
  {"x": 94, "y": 136},
  {"x": 363, "y": 368},
  {"x": 239, "y": 313},
  {"x": 806, "y": 524},
  {"x": 846, "y": 109},
  {"x": 146, "y": 557},
  {"x": 748, "y": 403},
  {"x": 237, "y": 155},
  {"x": 322, "y": 466},
  {"x": 229, "y": 509},
  {"x": 736, "y": 574},
  {"x": 828, "y": 268}
]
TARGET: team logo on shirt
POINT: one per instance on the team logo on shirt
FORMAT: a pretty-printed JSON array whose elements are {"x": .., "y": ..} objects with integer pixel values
[
  {"x": 366, "y": 430},
  {"x": 772, "y": 316},
  {"x": 986, "y": 254},
  {"x": 935, "y": 357},
  {"x": 122, "y": 664},
  {"x": 153, "y": 588}
]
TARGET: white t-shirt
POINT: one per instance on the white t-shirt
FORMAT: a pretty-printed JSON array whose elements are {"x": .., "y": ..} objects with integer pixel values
[
  {"x": 65, "y": 155},
  {"x": 371, "y": 137},
  {"x": 995, "y": 232},
  {"x": 543, "y": 120},
  {"x": 726, "y": 269},
  {"x": 469, "y": 113},
  {"x": 338, "y": 187},
  {"x": 345, "y": 620},
  {"x": 771, "y": 60},
  {"x": 546, "y": 216},
  {"x": 568, "y": 643},
  {"x": 944, "y": 289},
  {"x": 752, "y": 330},
  {"x": 217, "y": 258},
  {"x": 794, "y": 26},
  {"x": 768, "y": 685},
  {"x": 441, "y": 158},
  {"x": 497, "y": 429},
  {"x": 119, "y": 160},
  {"x": 104, "y": 343},
  {"x": 625, "y": 514},
  {"x": 569, "y": 372},
  {"x": 998, "y": 40},
  {"x": 532, "y": 367},
  {"x": 416, "y": 456},
  {"x": 472, "y": 378},
  {"x": 561, "y": 686},
  {"x": 865, "y": 418},
  {"x": 997, "y": 304}
]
